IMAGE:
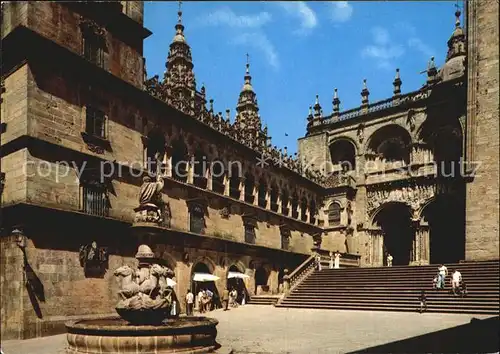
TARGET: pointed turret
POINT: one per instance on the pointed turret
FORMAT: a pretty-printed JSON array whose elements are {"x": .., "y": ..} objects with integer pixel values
[
  {"x": 397, "y": 84},
  {"x": 455, "y": 58},
  {"x": 364, "y": 95},
  {"x": 179, "y": 81},
  {"x": 247, "y": 119},
  {"x": 336, "y": 104}
]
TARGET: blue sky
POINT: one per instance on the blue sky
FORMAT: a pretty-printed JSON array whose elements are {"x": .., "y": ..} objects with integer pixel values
[{"x": 300, "y": 49}]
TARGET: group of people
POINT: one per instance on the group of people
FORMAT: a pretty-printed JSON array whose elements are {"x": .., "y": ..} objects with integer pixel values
[
  {"x": 206, "y": 300},
  {"x": 458, "y": 286},
  {"x": 334, "y": 262}
]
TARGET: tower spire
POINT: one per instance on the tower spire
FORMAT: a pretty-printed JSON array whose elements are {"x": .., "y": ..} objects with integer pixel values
[{"x": 247, "y": 119}]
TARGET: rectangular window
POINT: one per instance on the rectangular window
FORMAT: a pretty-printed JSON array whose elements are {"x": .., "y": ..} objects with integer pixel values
[
  {"x": 196, "y": 220},
  {"x": 334, "y": 215},
  {"x": 249, "y": 233},
  {"x": 92, "y": 50},
  {"x": 285, "y": 239},
  {"x": 95, "y": 122},
  {"x": 95, "y": 198}
]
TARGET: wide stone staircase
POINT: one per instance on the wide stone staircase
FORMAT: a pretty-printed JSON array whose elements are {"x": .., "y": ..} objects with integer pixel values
[
  {"x": 397, "y": 289},
  {"x": 263, "y": 300}
]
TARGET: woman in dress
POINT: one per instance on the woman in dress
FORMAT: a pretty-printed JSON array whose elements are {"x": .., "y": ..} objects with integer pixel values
[
  {"x": 330, "y": 264},
  {"x": 337, "y": 260}
]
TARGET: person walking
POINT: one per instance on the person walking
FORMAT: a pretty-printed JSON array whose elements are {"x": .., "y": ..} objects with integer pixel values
[
  {"x": 443, "y": 272},
  {"x": 225, "y": 298},
  {"x": 389, "y": 260},
  {"x": 189, "y": 303},
  {"x": 456, "y": 279},
  {"x": 330, "y": 264},
  {"x": 423, "y": 301},
  {"x": 201, "y": 304},
  {"x": 337, "y": 260},
  {"x": 318, "y": 261}
]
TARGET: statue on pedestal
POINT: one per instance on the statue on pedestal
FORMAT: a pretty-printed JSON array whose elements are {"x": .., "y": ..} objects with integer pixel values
[
  {"x": 151, "y": 204},
  {"x": 146, "y": 295}
]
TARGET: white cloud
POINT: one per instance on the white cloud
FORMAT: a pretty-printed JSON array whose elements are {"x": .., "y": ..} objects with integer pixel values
[
  {"x": 341, "y": 11},
  {"x": 303, "y": 12},
  {"x": 259, "y": 41},
  {"x": 383, "y": 51},
  {"x": 420, "y": 46},
  {"x": 227, "y": 17}
]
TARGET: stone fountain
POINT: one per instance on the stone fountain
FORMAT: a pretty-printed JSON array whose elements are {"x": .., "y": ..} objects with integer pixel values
[{"x": 145, "y": 323}]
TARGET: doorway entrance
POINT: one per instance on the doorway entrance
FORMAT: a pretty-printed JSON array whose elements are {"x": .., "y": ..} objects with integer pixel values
[{"x": 394, "y": 220}]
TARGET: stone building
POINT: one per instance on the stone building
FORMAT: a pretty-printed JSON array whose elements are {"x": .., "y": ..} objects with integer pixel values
[
  {"x": 82, "y": 126},
  {"x": 416, "y": 175}
]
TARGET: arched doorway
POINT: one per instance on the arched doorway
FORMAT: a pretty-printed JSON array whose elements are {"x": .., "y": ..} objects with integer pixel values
[
  {"x": 196, "y": 286},
  {"x": 446, "y": 219},
  {"x": 238, "y": 284},
  {"x": 394, "y": 220},
  {"x": 261, "y": 277}
]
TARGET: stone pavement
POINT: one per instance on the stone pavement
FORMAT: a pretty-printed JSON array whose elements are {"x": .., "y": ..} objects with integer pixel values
[{"x": 265, "y": 329}]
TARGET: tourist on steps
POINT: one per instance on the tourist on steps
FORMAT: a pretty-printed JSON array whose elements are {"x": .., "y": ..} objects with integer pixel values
[
  {"x": 330, "y": 264},
  {"x": 389, "y": 260},
  {"x": 443, "y": 272},
  {"x": 318, "y": 261},
  {"x": 423, "y": 301},
  {"x": 189, "y": 303},
  {"x": 337, "y": 260},
  {"x": 456, "y": 278}
]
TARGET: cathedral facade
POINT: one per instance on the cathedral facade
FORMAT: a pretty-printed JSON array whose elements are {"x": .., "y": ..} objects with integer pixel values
[{"x": 83, "y": 129}]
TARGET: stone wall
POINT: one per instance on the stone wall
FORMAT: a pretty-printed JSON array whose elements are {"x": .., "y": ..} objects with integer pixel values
[
  {"x": 482, "y": 208},
  {"x": 14, "y": 106}
]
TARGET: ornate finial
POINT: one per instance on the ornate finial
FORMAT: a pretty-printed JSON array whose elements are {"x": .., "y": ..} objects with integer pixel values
[
  {"x": 211, "y": 105},
  {"x": 336, "y": 102},
  {"x": 310, "y": 111},
  {"x": 228, "y": 114},
  {"x": 364, "y": 94},
  {"x": 397, "y": 83},
  {"x": 457, "y": 15},
  {"x": 179, "y": 13},
  {"x": 431, "y": 63},
  {"x": 317, "y": 108}
]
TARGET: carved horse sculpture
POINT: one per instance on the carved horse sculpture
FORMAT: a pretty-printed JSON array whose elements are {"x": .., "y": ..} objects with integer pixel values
[{"x": 128, "y": 287}]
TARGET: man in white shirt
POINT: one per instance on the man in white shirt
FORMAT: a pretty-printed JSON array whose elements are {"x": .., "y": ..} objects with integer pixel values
[
  {"x": 443, "y": 272},
  {"x": 456, "y": 278},
  {"x": 189, "y": 303}
]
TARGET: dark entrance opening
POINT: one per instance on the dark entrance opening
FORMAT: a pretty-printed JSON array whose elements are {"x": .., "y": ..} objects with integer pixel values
[
  {"x": 238, "y": 284},
  {"x": 261, "y": 277},
  {"x": 395, "y": 221},
  {"x": 196, "y": 286},
  {"x": 446, "y": 218}
]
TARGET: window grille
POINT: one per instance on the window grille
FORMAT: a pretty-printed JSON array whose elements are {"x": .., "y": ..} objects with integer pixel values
[
  {"x": 95, "y": 122},
  {"x": 197, "y": 219},
  {"x": 249, "y": 233},
  {"x": 95, "y": 199},
  {"x": 334, "y": 214}
]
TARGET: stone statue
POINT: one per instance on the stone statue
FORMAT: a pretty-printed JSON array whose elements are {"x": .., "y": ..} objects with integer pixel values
[
  {"x": 151, "y": 204},
  {"x": 146, "y": 299}
]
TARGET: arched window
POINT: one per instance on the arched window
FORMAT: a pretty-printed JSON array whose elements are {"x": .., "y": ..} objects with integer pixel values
[
  {"x": 262, "y": 193},
  {"x": 312, "y": 212},
  {"x": 179, "y": 161},
  {"x": 391, "y": 143},
  {"x": 249, "y": 186},
  {"x": 200, "y": 169},
  {"x": 343, "y": 155},
  {"x": 218, "y": 176},
  {"x": 284, "y": 202},
  {"x": 274, "y": 198},
  {"x": 334, "y": 214},
  {"x": 295, "y": 204},
  {"x": 234, "y": 182}
]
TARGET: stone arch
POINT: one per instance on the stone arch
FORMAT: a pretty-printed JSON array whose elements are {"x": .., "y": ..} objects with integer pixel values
[
  {"x": 169, "y": 260},
  {"x": 356, "y": 145},
  {"x": 334, "y": 213},
  {"x": 342, "y": 155},
  {"x": 206, "y": 260},
  {"x": 391, "y": 142}
]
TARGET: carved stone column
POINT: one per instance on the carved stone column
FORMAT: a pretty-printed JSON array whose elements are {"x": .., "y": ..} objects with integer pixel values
[
  {"x": 190, "y": 168},
  {"x": 256, "y": 194},
  {"x": 268, "y": 198},
  {"x": 424, "y": 244},
  {"x": 209, "y": 179},
  {"x": 168, "y": 161},
  {"x": 376, "y": 248},
  {"x": 279, "y": 202},
  {"x": 226, "y": 184}
]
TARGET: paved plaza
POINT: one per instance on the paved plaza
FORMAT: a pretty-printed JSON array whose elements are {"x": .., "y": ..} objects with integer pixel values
[{"x": 265, "y": 329}]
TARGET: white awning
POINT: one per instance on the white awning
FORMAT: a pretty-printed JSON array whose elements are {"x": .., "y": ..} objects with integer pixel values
[
  {"x": 237, "y": 275},
  {"x": 171, "y": 283},
  {"x": 205, "y": 277}
]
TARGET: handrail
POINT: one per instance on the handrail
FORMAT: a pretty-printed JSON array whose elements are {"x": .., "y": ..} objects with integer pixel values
[{"x": 302, "y": 271}]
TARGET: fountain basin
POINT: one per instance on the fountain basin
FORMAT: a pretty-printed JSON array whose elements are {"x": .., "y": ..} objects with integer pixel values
[{"x": 115, "y": 335}]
